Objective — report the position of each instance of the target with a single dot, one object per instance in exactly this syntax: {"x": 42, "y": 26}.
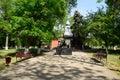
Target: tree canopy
{"x": 79, "y": 30}
{"x": 100, "y": 28}
{"x": 30, "y": 20}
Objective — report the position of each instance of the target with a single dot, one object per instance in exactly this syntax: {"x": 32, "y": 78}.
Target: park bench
{"x": 23, "y": 55}
{"x": 102, "y": 57}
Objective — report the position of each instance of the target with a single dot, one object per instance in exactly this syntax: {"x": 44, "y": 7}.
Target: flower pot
{"x": 8, "y": 60}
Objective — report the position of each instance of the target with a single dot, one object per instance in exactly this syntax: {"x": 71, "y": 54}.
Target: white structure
{"x": 68, "y": 34}
{"x": 67, "y": 30}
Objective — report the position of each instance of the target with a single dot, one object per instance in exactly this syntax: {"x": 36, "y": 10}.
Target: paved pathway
{"x": 53, "y": 67}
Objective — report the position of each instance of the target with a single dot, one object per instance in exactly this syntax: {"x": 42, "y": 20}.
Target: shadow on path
{"x": 53, "y": 68}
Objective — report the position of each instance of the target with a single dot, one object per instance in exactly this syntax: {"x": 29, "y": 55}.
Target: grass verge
{"x": 12, "y": 53}
{"x": 3, "y": 54}
{"x": 113, "y": 61}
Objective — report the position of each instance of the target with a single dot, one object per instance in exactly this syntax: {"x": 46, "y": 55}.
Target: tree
{"x": 2, "y": 39}
{"x": 5, "y": 26}
{"x": 113, "y": 9}
{"x": 113, "y": 4}
{"x": 35, "y": 19}
{"x": 71, "y": 4}
{"x": 32, "y": 20}
{"x": 102, "y": 27}
{"x": 79, "y": 30}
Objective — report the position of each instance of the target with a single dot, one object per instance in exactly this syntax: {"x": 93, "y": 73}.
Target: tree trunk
{"x": 6, "y": 43}
{"x": 106, "y": 48}
{"x": 39, "y": 47}
{"x": 83, "y": 47}
{"x": 27, "y": 45}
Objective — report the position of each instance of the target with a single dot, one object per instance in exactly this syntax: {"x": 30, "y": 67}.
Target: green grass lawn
{"x": 114, "y": 63}
{"x": 3, "y": 54}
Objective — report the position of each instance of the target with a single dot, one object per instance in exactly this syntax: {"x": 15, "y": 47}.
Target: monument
{"x": 64, "y": 47}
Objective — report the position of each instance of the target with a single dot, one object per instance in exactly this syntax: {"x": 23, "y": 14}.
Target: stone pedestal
{"x": 63, "y": 51}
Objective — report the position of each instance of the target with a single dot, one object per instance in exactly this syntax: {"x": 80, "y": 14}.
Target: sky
{"x": 85, "y": 6}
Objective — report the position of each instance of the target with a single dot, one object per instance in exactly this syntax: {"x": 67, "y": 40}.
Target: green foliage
{"x": 111, "y": 3}
{"x": 37, "y": 18}
{"x": 79, "y": 30}
{"x": 102, "y": 26}
{"x": 77, "y": 24}
{"x": 2, "y": 66}
{"x": 5, "y": 26}
{"x": 5, "y": 18}
{"x": 2, "y": 39}
{"x": 99, "y": 1}
{"x": 71, "y": 4}
{"x": 5, "y": 7}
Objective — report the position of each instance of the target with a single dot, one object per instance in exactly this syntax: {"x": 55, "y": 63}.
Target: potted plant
{"x": 7, "y": 60}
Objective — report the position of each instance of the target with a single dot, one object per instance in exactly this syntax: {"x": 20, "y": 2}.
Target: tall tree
{"x": 113, "y": 9}
{"x": 78, "y": 30}
{"x": 102, "y": 27}
{"x": 5, "y": 26}
{"x": 36, "y": 18}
